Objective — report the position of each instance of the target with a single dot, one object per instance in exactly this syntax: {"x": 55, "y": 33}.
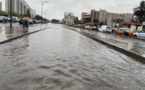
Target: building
{"x": 0, "y": 6}
{"x": 85, "y": 17}
{"x": 69, "y": 18}
{"x": 19, "y": 6}
{"x": 108, "y": 18}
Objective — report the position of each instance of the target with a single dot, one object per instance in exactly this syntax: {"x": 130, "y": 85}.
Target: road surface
{"x": 62, "y": 59}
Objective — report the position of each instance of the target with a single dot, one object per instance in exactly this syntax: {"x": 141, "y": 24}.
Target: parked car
{"x": 15, "y": 19}
{"x": 120, "y": 31}
{"x": 139, "y": 34}
{"x": 75, "y": 25}
{"x": 105, "y": 28}
{"x": 21, "y": 21}
{"x": 31, "y": 21}
{"x": 127, "y": 31}
{"x": 94, "y": 28}
{"x": 87, "y": 26}
{"x": 4, "y": 19}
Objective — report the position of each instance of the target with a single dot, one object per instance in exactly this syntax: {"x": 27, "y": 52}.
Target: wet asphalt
{"x": 61, "y": 59}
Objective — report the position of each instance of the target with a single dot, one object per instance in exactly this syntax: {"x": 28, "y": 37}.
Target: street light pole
{"x": 10, "y": 13}
{"x": 42, "y": 12}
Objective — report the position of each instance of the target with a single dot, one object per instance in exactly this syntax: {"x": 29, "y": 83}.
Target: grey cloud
{"x": 56, "y": 8}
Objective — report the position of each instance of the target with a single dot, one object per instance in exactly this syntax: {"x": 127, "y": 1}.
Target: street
{"x": 17, "y": 30}
{"x": 61, "y": 59}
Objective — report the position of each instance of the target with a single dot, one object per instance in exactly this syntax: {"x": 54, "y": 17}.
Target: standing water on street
{"x": 61, "y": 59}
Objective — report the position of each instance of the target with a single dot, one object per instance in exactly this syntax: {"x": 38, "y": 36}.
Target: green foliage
{"x": 96, "y": 21}
{"x": 76, "y": 21}
{"x": 101, "y": 23}
{"x": 139, "y": 11}
{"x": 16, "y": 14}
{"x": 3, "y": 13}
{"x": 13, "y": 14}
{"x": 28, "y": 13}
{"x": 119, "y": 20}
{"x": 38, "y": 17}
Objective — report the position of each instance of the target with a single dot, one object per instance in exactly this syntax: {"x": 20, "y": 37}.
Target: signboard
{"x": 143, "y": 23}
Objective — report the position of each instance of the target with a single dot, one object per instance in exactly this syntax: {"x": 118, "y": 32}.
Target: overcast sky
{"x": 56, "y": 8}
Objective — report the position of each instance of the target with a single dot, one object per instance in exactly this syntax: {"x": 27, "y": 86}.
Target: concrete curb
{"x": 14, "y": 38}
{"x": 133, "y": 55}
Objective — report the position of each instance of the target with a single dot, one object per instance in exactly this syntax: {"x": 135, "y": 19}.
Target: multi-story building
{"x": 19, "y": 6}
{"x": 106, "y": 17}
{"x": 85, "y": 17}
{"x": 69, "y": 18}
{"x": 0, "y": 6}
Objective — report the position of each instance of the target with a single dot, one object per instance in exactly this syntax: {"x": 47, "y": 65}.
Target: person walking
{"x": 26, "y": 21}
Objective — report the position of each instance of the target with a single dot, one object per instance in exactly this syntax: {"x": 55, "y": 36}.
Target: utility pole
{"x": 10, "y": 13}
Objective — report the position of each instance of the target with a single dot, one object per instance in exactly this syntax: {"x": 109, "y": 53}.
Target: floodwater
{"x": 17, "y": 30}
{"x": 61, "y": 59}
{"x": 127, "y": 43}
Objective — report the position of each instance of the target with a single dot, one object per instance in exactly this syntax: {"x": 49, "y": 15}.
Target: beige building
{"x": 19, "y": 6}
{"x": 106, "y": 17}
{"x": 0, "y": 6}
{"x": 69, "y": 18}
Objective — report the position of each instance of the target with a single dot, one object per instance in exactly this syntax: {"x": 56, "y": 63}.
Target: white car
{"x": 139, "y": 34}
{"x": 87, "y": 26}
{"x": 105, "y": 28}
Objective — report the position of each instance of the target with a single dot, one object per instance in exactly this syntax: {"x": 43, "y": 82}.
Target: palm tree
{"x": 139, "y": 11}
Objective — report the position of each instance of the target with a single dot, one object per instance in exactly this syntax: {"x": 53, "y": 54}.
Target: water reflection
{"x": 16, "y": 31}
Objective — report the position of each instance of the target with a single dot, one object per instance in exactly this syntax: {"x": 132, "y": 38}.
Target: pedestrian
{"x": 26, "y": 21}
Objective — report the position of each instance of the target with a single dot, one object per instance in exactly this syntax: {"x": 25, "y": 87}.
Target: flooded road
{"x": 126, "y": 42}
{"x": 17, "y": 30}
{"x": 62, "y": 59}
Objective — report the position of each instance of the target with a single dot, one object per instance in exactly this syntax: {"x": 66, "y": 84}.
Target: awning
{"x": 131, "y": 23}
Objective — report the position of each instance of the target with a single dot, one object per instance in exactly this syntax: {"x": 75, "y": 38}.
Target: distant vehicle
{"x": 21, "y": 21}
{"x": 31, "y": 21}
{"x": 15, "y": 19}
{"x": 3, "y": 19}
{"x": 120, "y": 31}
{"x": 87, "y": 26}
{"x": 94, "y": 28}
{"x": 105, "y": 28}
{"x": 127, "y": 31}
{"x": 139, "y": 34}
{"x": 75, "y": 25}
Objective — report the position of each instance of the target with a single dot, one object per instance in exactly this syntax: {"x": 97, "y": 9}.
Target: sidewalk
{"x": 129, "y": 44}
{"x": 6, "y": 33}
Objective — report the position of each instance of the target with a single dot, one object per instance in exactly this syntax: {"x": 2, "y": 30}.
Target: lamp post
{"x": 42, "y": 11}
{"x": 11, "y": 14}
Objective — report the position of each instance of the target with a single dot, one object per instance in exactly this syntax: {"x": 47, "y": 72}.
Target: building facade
{"x": 0, "y": 6}
{"x": 69, "y": 18}
{"x": 19, "y": 6}
{"x": 107, "y": 17}
{"x": 85, "y": 17}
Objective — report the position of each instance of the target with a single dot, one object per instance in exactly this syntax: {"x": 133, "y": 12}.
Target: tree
{"x": 28, "y": 13}
{"x": 118, "y": 20}
{"x": 101, "y": 23}
{"x": 139, "y": 11}
{"x": 96, "y": 21}
{"x": 3, "y": 13}
{"x": 38, "y": 17}
{"x": 77, "y": 21}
